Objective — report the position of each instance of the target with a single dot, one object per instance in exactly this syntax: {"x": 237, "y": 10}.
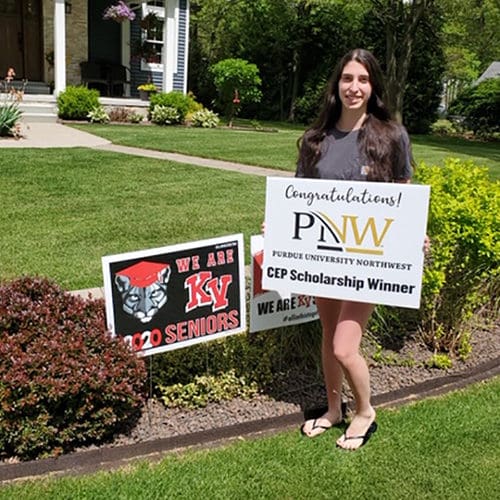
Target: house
{"x": 49, "y": 42}
{"x": 492, "y": 71}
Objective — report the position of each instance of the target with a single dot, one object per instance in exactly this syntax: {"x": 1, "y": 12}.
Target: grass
{"x": 63, "y": 209}
{"x": 269, "y": 149}
{"x": 278, "y": 150}
{"x": 442, "y": 448}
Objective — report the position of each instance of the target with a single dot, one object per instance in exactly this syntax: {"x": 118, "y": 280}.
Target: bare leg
{"x": 328, "y": 310}
{"x": 347, "y": 339}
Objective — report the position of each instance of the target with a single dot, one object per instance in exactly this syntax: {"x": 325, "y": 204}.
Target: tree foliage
{"x": 237, "y": 82}
{"x": 471, "y": 41}
{"x": 479, "y": 105}
{"x": 296, "y": 43}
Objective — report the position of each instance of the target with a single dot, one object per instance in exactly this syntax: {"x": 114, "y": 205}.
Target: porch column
{"x": 59, "y": 47}
{"x": 125, "y": 55}
{"x": 169, "y": 56}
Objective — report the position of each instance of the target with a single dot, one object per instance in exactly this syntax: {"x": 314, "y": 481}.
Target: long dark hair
{"x": 379, "y": 137}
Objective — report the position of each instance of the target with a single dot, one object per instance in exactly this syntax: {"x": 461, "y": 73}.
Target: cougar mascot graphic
{"x": 143, "y": 288}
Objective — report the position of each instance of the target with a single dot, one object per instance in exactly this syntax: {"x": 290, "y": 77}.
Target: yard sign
{"x": 171, "y": 297}
{"x": 360, "y": 241}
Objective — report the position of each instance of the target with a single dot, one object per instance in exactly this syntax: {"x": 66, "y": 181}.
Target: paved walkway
{"x": 52, "y": 135}
{"x": 57, "y": 135}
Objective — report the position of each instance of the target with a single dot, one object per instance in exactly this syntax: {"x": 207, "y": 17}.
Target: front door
{"x": 21, "y": 38}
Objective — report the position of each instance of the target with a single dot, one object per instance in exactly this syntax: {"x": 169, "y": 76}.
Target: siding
{"x": 139, "y": 76}
{"x": 179, "y": 83}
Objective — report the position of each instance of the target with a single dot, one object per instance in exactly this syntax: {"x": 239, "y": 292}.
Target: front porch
{"x": 49, "y": 41}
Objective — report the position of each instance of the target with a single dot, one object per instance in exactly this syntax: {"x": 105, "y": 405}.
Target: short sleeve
{"x": 404, "y": 168}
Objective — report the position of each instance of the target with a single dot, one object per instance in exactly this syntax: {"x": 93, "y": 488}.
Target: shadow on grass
{"x": 453, "y": 145}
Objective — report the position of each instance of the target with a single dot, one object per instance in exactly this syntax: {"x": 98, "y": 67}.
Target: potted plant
{"x": 145, "y": 89}
{"x": 119, "y": 12}
{"x": 144, "y": 49}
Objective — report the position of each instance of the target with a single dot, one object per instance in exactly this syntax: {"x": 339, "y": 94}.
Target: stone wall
{"x": 76, "y": 39}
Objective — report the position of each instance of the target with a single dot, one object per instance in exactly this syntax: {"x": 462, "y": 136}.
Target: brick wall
{"x": 76, "y": 38}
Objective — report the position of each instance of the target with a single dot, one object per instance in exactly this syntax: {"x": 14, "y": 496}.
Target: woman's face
{"x": 355, "y": 88}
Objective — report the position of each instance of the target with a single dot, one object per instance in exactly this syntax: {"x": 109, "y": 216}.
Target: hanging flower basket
{"x": 119, "y": 12}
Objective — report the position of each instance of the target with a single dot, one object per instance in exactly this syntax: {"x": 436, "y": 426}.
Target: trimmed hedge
{"x": 64, "y": 382}
{"x": 76, "y": 102}
{"x": 182, "y": 103}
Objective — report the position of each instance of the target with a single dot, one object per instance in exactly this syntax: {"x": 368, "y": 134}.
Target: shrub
{"x": 124, "y": 115}
{"x": 135, "y": 117}
{"x": 208, "y": 389}
{"x": 238, "y": 83}
{"x": 165, "y": 115}
{"x": 444, "y": 128}
{"x": 119, "y": 114}
{"x": 98, "y": 115}
{"x": 480, "y": 107}
{"x": 205, "y": 118}
{"x": 251, "y": 362}
{"x": 10, "y": 114}
{"x": 306, "y": 107}
{"x": 64, "y": 382}
{"x": 75, "y": 103}
{"x": 464, "y": 265}
{"x": 183, "y": 103}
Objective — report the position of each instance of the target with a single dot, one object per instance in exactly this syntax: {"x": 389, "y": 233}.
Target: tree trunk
{"x": 401, "y": 22}
{"x": 295, "y": 85}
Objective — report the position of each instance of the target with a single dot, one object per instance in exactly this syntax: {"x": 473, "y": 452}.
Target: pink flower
{"x": 119, "y": 12}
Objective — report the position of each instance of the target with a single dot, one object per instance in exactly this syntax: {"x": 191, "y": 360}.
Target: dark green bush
{"x": 75, "y": 103}
{"x": 183, "y": 103}
{"x": 64, "y": 382}
{"x": 480, "y": 107}
{"x": 307, "y": 106}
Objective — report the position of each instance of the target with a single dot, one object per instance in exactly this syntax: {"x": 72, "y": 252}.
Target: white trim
{"x": 125, "y": 53}
{"x": 186, "y": 53}
{"x": 160, "y": 12}
{"x": 59, "y": 47}
{"x": 170, "y": 43}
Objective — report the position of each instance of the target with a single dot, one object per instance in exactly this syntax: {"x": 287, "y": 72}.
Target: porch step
{"x": 38, "y": 108}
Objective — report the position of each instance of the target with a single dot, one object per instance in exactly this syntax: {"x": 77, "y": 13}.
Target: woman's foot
{"x": 316, "y": 426}
{"x": 360, "y": 429}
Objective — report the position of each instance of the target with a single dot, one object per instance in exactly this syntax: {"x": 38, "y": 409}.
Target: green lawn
{"x": 278, "y": 149}
{"x": 444, "y": 448}
{"x": 269, "y": 149}
{"x": 63, "y": 209}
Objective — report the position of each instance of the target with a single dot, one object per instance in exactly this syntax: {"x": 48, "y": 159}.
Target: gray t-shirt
{"x": 341, "y": 158}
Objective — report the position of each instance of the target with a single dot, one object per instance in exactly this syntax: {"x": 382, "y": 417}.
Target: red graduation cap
{"x": 144, "y": 273}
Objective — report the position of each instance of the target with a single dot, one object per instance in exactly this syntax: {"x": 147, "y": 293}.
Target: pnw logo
{"x": 350, "y": 234}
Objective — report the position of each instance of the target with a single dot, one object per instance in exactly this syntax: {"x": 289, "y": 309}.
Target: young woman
{"x": 353, "y": 138}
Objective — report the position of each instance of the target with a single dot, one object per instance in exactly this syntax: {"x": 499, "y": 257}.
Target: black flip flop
{"x": 315, "y": 426}
{"x": 365, "y": 437}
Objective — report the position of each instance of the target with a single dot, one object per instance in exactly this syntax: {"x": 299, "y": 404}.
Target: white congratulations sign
{"x": 360, "y": 241}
